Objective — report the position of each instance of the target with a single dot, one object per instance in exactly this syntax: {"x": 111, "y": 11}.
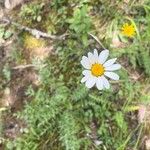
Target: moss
{"x": 31, "y": 42}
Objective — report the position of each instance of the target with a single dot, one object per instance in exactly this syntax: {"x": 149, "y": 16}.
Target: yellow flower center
{"x": 128, "y": 30}
{"x": 97, "y": 69}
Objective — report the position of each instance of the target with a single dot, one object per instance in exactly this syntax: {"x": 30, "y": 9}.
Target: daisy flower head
{"x": 97, "y": 69}
{"x": 128, "y": 30}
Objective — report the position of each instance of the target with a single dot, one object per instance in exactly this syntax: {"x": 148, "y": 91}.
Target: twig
{"x": 27, "y": 66}
{"x": 97, "y": 40}
{"x": 119, "y": 81}
{"x": 23, "y": 66}
{"x": 34, "y": 32}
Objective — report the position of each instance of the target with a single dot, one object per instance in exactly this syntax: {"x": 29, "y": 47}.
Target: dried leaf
{"x": 141, "y": 113}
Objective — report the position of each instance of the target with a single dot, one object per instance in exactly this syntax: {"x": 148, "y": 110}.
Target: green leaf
{"x": 7, "y": 34}
{"x": 85, "y": 39}
{"x": 119, "y": 117}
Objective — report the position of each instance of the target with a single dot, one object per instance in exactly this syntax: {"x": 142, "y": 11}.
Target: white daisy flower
{"x": 97, "y": 69}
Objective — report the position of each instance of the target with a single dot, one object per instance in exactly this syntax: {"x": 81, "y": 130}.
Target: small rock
{"x": 97, "y": 142}
{"x": 147, "y": 144}
{"x": 10, "y": 4}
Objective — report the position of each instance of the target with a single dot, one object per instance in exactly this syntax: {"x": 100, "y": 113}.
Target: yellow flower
{"x": 128, "y": 30}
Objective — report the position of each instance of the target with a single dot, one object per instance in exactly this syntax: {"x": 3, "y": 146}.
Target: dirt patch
{"x": 12, "y": 127}
{"x": 14, "y": 99}
{"x": 14, "y": 96}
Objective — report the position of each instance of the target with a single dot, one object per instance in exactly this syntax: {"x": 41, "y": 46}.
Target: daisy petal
{"x": 112, "y": 75}
{"x": 84, "y": 79}
{"x": 110, "y": 62}
{"x": 105, "y": 83}
{"x": 84, "y": 58}
{"x": 90, "y": 82}
{"x": 91, "y": 58}
{"x": 113, "y": 67}
{"x": 86, "y": 72}
{"x": 103, "y": 56}
{"x": 99, "y": 83}
{"x": 96, "y": 54}
{"x": 85, "y": 62}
